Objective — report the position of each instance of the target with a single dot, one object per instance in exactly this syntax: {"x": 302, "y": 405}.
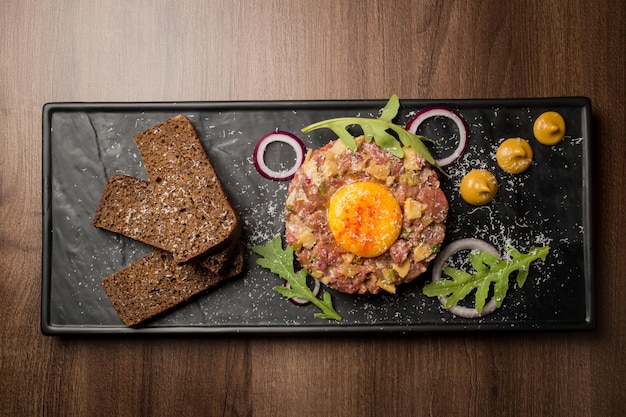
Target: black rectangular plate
{"x": 550, "y": 203}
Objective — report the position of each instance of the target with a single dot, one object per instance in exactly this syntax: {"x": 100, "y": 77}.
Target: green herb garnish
{"x": 379, "y": 130}
{"x": 280, "y": 261}
{"x": 489, "y": 270}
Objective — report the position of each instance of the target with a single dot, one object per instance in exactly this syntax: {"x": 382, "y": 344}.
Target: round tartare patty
{"x": 421, "y": 225}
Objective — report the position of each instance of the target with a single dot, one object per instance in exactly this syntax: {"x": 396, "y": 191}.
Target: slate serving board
{"x": 550, "y": 203}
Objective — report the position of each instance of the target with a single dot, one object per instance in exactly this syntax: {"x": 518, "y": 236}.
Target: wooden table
{"x": 68, "y": 50}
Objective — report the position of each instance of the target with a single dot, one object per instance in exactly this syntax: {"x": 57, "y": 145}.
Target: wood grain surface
{"x": 159, "y": 50}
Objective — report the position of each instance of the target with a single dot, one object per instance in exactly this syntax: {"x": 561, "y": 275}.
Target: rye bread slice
{"x": 129, "y": 206}
{"x": 173, "y": 156}
{"x": 156, "y": 284}
{"x": 175, "y": 160}
{"x": 183, "y": 209}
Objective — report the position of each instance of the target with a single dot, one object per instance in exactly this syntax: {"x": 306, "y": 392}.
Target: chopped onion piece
{"x": 444, "y": 255}
{"x": 317, "y": 286}
{"x": 435, "y": 111}
{"x": 278, "y": 136}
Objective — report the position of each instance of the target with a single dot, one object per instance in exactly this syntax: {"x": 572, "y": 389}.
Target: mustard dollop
{"x": 549, "y": 128}
{"x": 514, "y": 155}
{"x": 478, "y": 187}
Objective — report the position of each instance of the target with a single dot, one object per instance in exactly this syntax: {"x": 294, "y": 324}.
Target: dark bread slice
{"x": 129, "y": 206}
{"x": 156, "y": 284}
{"x": 186, "y": 212}
{"x": 174, "y": 158}
{"x": 185, "y": 202}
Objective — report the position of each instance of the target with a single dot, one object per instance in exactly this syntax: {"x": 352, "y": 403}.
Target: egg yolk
{"x": 514, "y": 155}
{"x": 478, "y": 187}
{"x": 549, "y": 128}
{"x": 365, "y": 218}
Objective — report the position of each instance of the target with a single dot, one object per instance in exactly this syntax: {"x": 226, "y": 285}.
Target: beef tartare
{"x": 365, "y": 220}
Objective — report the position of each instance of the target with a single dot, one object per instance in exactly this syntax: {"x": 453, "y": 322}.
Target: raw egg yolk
{"x": 549, "y": 128}
{"x": 514, "y": 155}
{"x": 479, "y": 187}
{"x": 365, "y": 218}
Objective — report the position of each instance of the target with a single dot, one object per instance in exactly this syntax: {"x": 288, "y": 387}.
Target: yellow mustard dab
{"x": 514, "y": 155}
{"x": 478, "y": 187}
{"x": 549, "y": 128}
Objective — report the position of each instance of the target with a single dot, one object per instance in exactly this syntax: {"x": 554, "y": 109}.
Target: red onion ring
{"x": 278, "y": 136}
{"x": 444, "y": 255}
{"x": 434, "y": 111}
{"x": 302, "y": 301}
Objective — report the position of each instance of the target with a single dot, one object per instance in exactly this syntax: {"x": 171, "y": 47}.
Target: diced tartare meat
{"x": 399, "y": 251}
{"x": 413, "y": 183}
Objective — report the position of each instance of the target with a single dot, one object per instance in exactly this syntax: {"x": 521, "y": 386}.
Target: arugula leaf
{"x": 379, "y": 130}
{"x": 391, "y": 109}
{"x": 280, "y": 262}
{"x": 488, "y": 270}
